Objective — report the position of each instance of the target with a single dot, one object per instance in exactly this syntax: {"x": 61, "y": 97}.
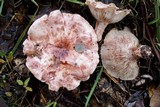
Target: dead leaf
{"x": 155, "y": 98}
{"x": 135, "y": 100}
{"x": 2, "y": 61}
{"x": 43, "y": 99}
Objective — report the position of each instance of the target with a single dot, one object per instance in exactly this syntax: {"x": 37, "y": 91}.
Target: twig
{"x": 152, "y": 42}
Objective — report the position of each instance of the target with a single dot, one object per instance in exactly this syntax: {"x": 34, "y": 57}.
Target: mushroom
{"x": 119, "y": 54}
{"x": 105, "y": 14}
{"x": 60, "y": 51}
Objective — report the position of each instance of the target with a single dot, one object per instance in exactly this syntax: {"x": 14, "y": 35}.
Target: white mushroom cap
{"x": 118, "y": 54}
{"x": 105, "y": 14}
{"x": 60, "y": 51}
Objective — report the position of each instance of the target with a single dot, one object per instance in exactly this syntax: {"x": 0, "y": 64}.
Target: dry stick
{"x": 13, "y": 17}
{"x": 23, "y": 97}
{"x": 148, "y": 32}
{"x": 152, "y": 42}
{"x": 116, "y": 101}
{"x": 116, "y": 82}
{"x": 145, "y": 15}
{"x": 144, "y": 26}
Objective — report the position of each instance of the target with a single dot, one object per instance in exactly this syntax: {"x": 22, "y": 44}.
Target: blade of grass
{"x": 157, "y": 16}
{"x": 135, "y": 1}
{"x": 76, "y": 2}
{"x": 154, "y": 21}
{"x": 3, "y": 67}
{"x": 8, "y": 63}
{"x": 54, "y": 103}
{"x": 2, "y": 54}
{"x": 93, "y": 87}
{"x": 158, "y": 47}
{"x": 1, "y": 7}
{"x": 25, "y": 30}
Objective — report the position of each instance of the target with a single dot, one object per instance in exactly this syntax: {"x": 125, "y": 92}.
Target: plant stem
{"x": 93, "y": 87}
{"x": 157, "y": 16}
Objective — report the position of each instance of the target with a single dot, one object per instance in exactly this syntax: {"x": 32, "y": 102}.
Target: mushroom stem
{"x": 143, "y": 51}
{"x": 137, "y": 52}
{"x": 99, "y": 29}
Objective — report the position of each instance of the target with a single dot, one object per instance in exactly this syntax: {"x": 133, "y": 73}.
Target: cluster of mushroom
{"x": 62, "y": 48}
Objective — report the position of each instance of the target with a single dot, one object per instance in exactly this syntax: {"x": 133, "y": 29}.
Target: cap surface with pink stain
{"x": 61, "y": 50}
{"x": 119, "y": 54}
{"x": 105, "y": 14}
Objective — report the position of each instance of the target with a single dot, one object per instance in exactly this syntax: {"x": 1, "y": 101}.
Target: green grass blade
{"x": 157, "y": 16}
{"x": 25, "y": 30}
{"x": 20, "y": 39}
{"x": 76, "y": 2}
{"x": 1, "y": 7}
{"x": 35, "y": 3}
{"x": 2, "y": 54}
{"x": 3, "y": 67}
{"x": 54, "y": 103}
{"x": 93, "y": 87}
{"x": 154, "y": 21}
{"x": 135, "y": 2}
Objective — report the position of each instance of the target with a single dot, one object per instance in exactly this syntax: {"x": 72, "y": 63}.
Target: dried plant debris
{"x": 112, "y": 91}
{"x": 135, "y": 100}
{"x": 155, "y": 97}
{"x": 60, "y": 51}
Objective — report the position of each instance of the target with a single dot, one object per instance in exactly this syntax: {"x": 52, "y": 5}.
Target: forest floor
{"x": 19, "y": 88}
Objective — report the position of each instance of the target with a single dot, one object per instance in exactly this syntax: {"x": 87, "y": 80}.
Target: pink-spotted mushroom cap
{"x": 61, "y": 50}
{"x": 105, "y": 14}
{"x": 119, "y": 54}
